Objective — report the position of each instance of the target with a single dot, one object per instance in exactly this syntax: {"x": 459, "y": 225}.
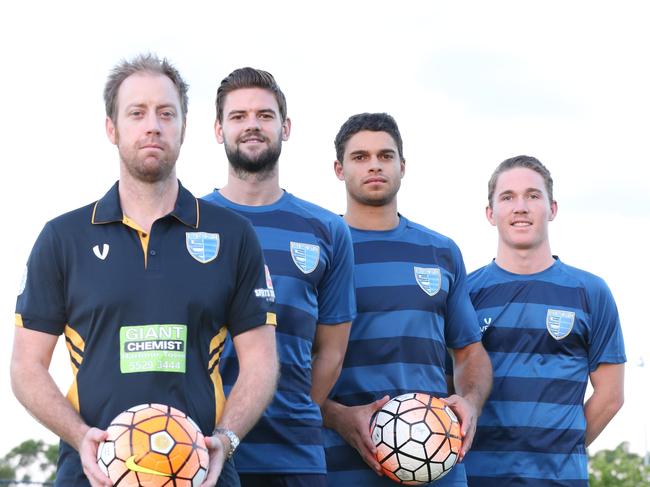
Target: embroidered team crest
{"x": 559, "y": 323}
{"x": 429, "y": 279}
{"x": 203, "y": 246}
{"x": 305, "y": 256}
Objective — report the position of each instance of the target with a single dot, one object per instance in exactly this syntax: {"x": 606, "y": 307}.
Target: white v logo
{"x": 487, "y": 321}
{"x": 103, "y": 253}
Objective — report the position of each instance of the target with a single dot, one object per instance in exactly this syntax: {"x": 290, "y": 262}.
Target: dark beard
{"x": 263, "y": 164}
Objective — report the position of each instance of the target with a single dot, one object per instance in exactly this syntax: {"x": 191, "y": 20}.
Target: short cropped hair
{"x": 374, "y": 122}
{"x": 527, "y": 162}
{"x": 142, "y": 63}
{"x": 249, "y": 78}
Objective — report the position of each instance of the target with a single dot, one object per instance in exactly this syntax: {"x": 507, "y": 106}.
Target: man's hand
{"x": 88, "y": 455}
{"x": 468, "y": 416}
{"x": 217, "y": 451}
{"x": 353, "y": 424}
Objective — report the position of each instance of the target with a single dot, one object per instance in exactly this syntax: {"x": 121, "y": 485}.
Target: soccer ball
{"x": 153, "y": 445}
{"x": 417, "y": 438}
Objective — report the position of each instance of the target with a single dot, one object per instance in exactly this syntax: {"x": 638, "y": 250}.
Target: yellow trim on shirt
{"x": 144, "y": 236}
{"x": 219, "y": 396}
{"x": 271, "y": 319}
{"x": 73, "y": 338}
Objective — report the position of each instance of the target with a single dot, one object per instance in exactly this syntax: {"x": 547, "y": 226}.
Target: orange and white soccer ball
{"x": 153, "y": 445}
{"x": 417, "y": 438}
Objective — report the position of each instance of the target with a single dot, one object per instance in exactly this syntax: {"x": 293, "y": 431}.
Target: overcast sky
{"x": 470, "y": 84}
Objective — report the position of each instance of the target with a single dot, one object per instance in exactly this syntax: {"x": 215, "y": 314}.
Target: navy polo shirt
{"x": 145, "y": 316}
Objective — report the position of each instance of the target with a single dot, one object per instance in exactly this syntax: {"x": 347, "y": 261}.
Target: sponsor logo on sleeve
{"x": 559, "y": 323}
{"x": 429, "y": 279}
{"x": 487, "y": 322}
{"x": 202, "y": 246}
{"x": 267, "y": 293}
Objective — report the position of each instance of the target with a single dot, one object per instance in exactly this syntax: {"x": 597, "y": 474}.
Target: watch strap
{"x": 232, "y": 438}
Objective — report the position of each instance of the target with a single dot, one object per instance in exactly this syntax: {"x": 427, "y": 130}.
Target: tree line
{"x": 33, "y": 462}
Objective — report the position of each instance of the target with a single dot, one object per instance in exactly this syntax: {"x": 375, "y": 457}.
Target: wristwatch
{"x": 232, "y": 437}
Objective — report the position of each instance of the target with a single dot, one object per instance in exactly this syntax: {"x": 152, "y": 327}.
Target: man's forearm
{"x": 328, "y": 352}
{"x": 606, "y": 400}
{"x": 330, "y": 411}
{"x": 256, "y": 382}
{"x": 39, "y": 394}
{"x": 249, "y": 397}
{"x": 473, "y": 375}
{"x": 598, "y": 413}
{"x": 323, "y": 376}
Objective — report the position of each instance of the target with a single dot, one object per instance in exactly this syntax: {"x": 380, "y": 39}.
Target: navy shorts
{"x": 283, "y": 480}
{"x": 228, "y": 477}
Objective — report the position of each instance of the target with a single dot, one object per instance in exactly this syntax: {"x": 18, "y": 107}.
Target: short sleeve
{"x": 605, "y": 337}
{"x": 461, "y": 324}
{"x": 252, "y": 298}
{"x": 40, "y": 305}
{"x": 336, "y": 297}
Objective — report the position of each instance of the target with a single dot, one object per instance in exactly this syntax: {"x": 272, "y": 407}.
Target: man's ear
{"x": 111, "y": 131}
{"x": 489, "y": 214}
{"x": 286, "y": 129}
{"x": 338, "y": 170}
{"x": 553, "y": 211}
{"x": 218, "y": 131}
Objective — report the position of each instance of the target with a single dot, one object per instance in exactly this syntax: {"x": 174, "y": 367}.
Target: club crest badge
{"x": 203, "y": 246}
{"x": 305, "y": 256}
{"x": 559, "y": 323}
{"x": 429, "y": 279}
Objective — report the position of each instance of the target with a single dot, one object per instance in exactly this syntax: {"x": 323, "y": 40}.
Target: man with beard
{"x": 309, "y": 257}
{"x": 412, "y": 305}
{"x": 146, "y": 260}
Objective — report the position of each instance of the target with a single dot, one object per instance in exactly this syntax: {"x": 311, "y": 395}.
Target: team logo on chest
{"x": 305, "y": 256}
{"x": 559, "y": 323}
{"x": 203, "y": 246}
{"x": 429, "y": 279}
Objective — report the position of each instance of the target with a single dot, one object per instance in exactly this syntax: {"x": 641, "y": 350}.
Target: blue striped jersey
{"x": 412, "y": 303}
{"x": 308, "y": 252}
{"x": 545, "y": 333}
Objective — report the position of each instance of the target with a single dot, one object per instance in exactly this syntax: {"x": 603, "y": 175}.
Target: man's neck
{"x": 366, "y": 217}
{"x": 252, "y": 190}
{"x": 144, "y": 203}
{"x": 524, "y": 261}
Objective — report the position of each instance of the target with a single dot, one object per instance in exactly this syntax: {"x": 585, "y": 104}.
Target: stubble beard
{"x": 144, "y": 170}
{"x": 375, "y": 200}
{"x": 148, "y": 172}
{"x": 262, "y": 165}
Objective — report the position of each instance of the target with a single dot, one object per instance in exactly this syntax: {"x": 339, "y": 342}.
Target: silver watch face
{"x": 232, "y": 437}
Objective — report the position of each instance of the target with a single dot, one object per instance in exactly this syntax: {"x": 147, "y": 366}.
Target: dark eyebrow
{"x": 359, "y": 152}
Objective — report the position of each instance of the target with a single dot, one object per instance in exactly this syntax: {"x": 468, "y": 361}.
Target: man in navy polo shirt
{"x": 145, "y": 284}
